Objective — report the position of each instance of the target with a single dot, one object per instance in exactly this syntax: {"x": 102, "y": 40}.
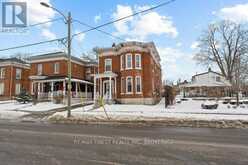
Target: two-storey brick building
{"x": 49, "y": 76}
{"x": 13, "y": 77}
{"x": 129, "y": 73}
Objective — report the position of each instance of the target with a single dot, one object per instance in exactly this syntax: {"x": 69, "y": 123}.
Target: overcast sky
{"x": 174, "y": 28}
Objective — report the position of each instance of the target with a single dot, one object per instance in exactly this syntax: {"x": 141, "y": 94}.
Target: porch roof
{"x": 104, "y": 75}
{"x": 56, "y": 78}
{"x": 208, "y": 84}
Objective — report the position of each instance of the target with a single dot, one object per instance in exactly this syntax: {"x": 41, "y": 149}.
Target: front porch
{"x": 105, "y": 86}
{"x": 52, "y": 89}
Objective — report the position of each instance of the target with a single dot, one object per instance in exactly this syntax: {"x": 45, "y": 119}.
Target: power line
{"x": 104, "y": 32}
{"x": 33, "y": 44}
{"x": 93, "y": 28}
{"x": 45, "y": 22}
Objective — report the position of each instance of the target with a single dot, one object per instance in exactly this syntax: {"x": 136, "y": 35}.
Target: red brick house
{"x": 13, "y": 77}
{"x": 48, "y": 76}
{"x": 129, "y": 73}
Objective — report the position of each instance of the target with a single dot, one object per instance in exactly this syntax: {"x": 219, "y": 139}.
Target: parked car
{"x": 210, "y": 105}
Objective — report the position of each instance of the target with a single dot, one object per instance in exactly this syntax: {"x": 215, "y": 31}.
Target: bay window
{"x": 129, "y": 61}
{"x": 129, "y": 85}
{"x": 138, "y": 61}
{"x": 138, "y": 86}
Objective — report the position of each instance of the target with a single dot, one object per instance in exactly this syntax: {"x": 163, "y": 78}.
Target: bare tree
{"x": 223, "y": 44}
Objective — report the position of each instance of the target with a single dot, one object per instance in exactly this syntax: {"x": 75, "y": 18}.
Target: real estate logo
{"x": 14, "y": 17}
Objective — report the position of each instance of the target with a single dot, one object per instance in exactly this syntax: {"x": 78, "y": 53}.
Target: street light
{"x": 68, "y": 21}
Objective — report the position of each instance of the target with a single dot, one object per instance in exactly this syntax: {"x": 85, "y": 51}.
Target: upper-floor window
{"x": 56, "y": 67}
{"x": 2, "y": 73}
{"x": 129, "y": 61}
{"x": 122, "y": 62}
{"x": 39, "y": 69}
{"x": 138, "y": 61}
{"x": 88, "y": 70}
{"x": 18, "y": 74}
{"x": 108, "y": 65}
{"x": 138, "y": 86}
{"x": 218, "y": 79}
{"x": 129, "y": 85}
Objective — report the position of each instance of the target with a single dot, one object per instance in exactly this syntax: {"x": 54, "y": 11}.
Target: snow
{"x": 11, "y": 114}
{"x": 15, "y": 106}
{"x": 186, "y": 110}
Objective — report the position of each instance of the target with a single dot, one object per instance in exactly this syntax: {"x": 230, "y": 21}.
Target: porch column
{"x": 76, "y": 90}
{"x": 38, "y": 88}
{"x": 86, "y": 91}
{"x": 115, "y": 88}
{"x": 32, "y": 88}
{"x": 52, "y": 89}
{"x": 94, "y": 88}
{"x": 110, "y": 88}
{"x": 64, "y": 87}
{"x": 100, "y": 91}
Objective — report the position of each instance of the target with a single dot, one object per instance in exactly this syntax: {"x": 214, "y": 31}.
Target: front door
{"x": 106, "y": 91}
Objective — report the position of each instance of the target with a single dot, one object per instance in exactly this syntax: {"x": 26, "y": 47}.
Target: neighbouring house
{"x": 49, "y": 76}
{"x": 130, "y": 73}
{"x": 13, "y": 77}
{"x": 207, "y": 84}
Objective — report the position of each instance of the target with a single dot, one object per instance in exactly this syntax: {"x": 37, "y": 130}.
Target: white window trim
{"x": 136, "y": 85}
{"x": 129, "y": 54}
{"x": 39, "y": 73}
{"x": 140, "y": 66}
{"x": 105, "y": 64}
{"x": 56, "y": 71}
{"x": 122, "y": 93}
{"x": 2, "y": 73}
{"x": 127, "y": 85}
{"x": 17, "y": 70}
{"x": 121, "y": 62}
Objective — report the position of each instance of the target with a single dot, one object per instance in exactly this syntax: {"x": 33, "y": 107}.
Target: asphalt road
{"x": 45, "y": 144}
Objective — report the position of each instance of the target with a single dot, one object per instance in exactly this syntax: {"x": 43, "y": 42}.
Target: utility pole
{"x": 69, "y": 20}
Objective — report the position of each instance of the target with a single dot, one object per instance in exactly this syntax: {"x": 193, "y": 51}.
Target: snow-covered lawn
{"x": 15, "y": 106}
{"x": 186, "y": 110}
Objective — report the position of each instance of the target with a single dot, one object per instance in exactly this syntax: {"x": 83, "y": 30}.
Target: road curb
{"x": 156, "y": 122}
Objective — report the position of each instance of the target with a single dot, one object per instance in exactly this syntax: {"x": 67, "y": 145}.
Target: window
{"x": 122, "y": 62}
{"x": 2, "y": 73}
{"x": 138, "y": 86}
{"x": 108, "y": 65}
{"x": 18, "y": 89}
{"x": 39, "y": 69}
{"x": 56, "y": 68}
{"x": 129, "y": 85}
{"x": 128, "y": 61}
{"x": 1, "y": 88}
{"x": 138, "y": 61}
{"x": 18, "y": 74}
{"x": 218, "y": 79}
{"x": 122, "y": 85}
